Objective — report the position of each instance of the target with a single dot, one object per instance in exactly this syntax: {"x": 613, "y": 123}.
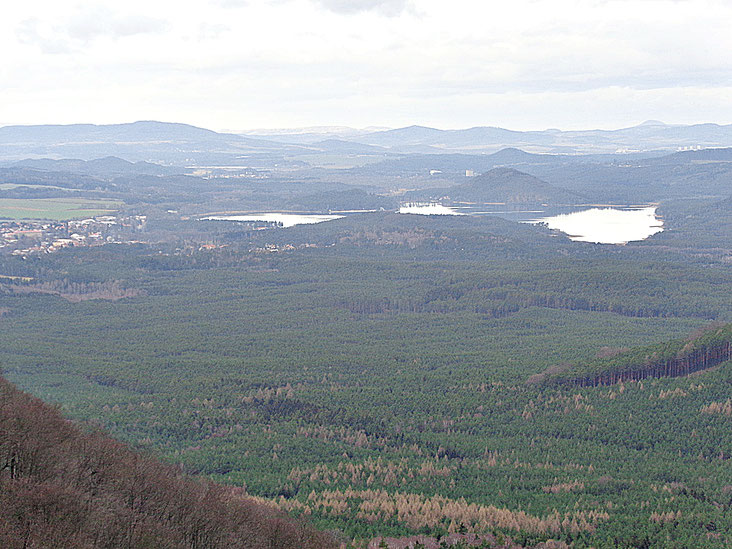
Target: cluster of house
{"x": 269, "y": 248}
{"x": 37, "y": 237}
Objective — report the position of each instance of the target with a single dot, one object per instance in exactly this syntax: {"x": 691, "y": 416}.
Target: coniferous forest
{"x": 377, "y": 392}
{"x": 378, "y": 379}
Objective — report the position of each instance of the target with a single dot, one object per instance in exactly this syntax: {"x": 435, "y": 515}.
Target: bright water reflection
{"x": 281, "y": 219}
{"x": 607, "y": 225}
{"x": 616, "y": 225}
{"x": 427, "y": 209}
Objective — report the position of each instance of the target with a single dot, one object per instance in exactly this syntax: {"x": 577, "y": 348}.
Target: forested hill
{"x": 456, "y": 236}
{"x": 681, "y": 357}
{"x": 61, "y": 487}
{"x": 704, "y": 226}
{"x": 103, "y": 167}
{"x": 503, "y": 185}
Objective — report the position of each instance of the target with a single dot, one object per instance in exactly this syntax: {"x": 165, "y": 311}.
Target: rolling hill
{"x": 505, "y": 185}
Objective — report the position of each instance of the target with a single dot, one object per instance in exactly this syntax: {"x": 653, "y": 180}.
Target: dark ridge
{"x": 703, "y": 155}
{"x": 63, "y": 488}
{"x": 669, "y": 359}
{"x": 99, "y": 166}
{"x": 506, "y": 185}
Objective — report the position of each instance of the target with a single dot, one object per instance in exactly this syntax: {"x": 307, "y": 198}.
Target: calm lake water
{"x": 281, "y": 219}
{"x": 607, "y": 225}
{"x": 602, "y": 225}
{"x": 428, "y": 209}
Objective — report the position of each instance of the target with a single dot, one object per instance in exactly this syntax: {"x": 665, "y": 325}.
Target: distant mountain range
{"x": 184, "y": 145}
{"x": 158, "y": 142}
{"x": 649, "y": 136}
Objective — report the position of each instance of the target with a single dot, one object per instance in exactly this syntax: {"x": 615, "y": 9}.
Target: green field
{"x": 55, "y": 209}
{"x": 9, "y": 186}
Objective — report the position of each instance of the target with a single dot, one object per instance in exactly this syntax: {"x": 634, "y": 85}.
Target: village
{"x": 29, "y": 237}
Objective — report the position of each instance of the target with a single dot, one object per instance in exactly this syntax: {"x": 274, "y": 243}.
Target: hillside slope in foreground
{"x": 62, "y": 487}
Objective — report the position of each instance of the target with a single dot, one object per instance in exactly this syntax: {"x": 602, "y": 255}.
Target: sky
{"x": 242, "y": 64}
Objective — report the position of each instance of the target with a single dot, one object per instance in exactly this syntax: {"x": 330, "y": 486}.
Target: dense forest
{"x": 378, "y": 392}
{"x": 387, "y": 378}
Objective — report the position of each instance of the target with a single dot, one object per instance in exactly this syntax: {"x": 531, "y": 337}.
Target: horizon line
{"x": 335, "y": 128}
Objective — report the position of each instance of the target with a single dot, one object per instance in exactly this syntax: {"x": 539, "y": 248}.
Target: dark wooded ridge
{"x": 671, "y": 359}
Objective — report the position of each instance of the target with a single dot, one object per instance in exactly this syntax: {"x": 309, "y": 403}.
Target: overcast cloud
{"x": 236, "y": 64}
{"x": 385, "y": 7}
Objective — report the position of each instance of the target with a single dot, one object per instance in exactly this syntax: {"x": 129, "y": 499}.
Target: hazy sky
{"x": 240, "y": 64}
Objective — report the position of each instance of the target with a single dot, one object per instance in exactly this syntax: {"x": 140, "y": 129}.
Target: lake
{"x": 607, "y": 225}
{"x": 601, "y": 225}
{"x": 278, "y": 218}
{"x": 598, "y": 224}
{"x": 427, "y": 209}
